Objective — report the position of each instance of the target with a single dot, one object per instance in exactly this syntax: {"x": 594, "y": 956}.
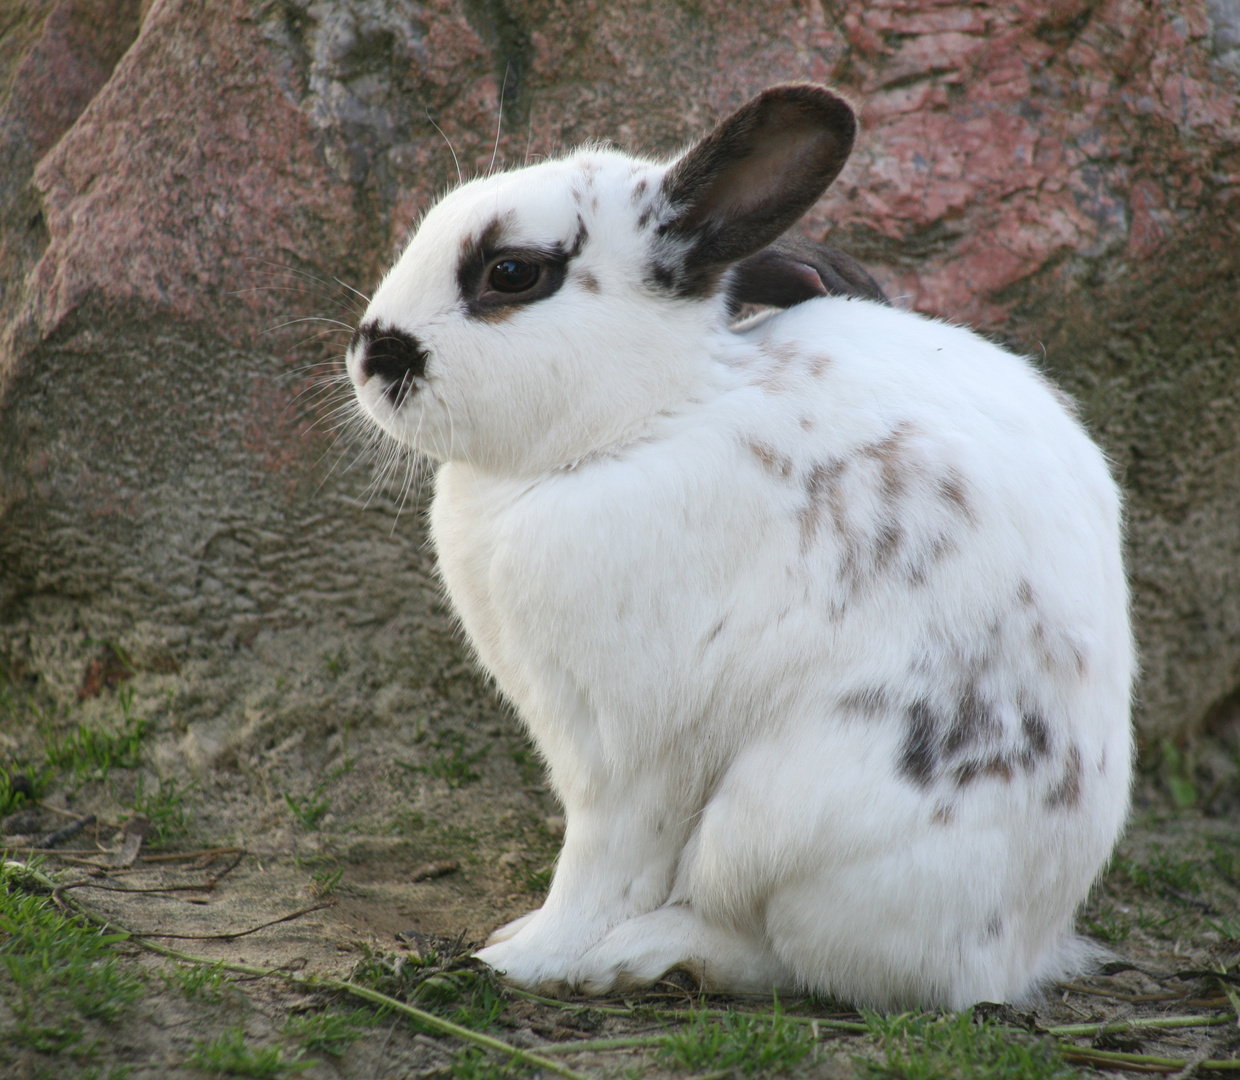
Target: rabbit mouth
{"x": 391, "y": 356}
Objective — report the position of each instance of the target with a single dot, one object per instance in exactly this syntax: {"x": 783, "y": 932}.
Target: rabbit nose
{"x": 392, "y": 356}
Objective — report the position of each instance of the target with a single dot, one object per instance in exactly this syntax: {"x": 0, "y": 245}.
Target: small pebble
{"x": 430, "y": 870}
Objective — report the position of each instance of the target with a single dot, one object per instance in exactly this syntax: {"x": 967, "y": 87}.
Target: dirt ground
{"x": 439, "y": 827}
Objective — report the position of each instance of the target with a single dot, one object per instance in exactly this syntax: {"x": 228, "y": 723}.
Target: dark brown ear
{"x": 753, "y": 176}
{"x": 793, "y": 270}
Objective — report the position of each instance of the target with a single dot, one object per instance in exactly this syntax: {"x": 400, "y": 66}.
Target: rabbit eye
{"x": 513, "y": 275}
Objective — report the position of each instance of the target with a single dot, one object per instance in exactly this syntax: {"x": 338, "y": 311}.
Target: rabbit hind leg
{"x": 641, "y": 950}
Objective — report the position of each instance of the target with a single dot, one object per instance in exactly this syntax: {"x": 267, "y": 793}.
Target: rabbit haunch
{"x": 819, "y": 620}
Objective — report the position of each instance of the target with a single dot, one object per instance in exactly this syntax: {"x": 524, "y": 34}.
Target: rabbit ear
{"x": 793, "y": 269}
{"x": 749, "y": 179}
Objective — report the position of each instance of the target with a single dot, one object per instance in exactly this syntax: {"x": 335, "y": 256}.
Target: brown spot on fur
{"x": 1066, "y": 793}
{"x": 998, "y": 767}
{"x": 951, "y": 489}
{"x": 886, "y": 544}
{"x": 1024, "y": 592}
{"x": 819, "y": 364}
{"x": 821, "y": 490}
{"x": 1078, "y": 658}
{"x": 932, "y": 553}
{"x": 807, "y": 423}
{"x": 715, "y": 631}
{"x": 871, "y": 702}
{"x": 893, "y": 468}
{"x": 589, "y": 282}
{"x": 994, "y": 928}
{"x": 772, "y": 460}
{"x": 498, "y": 314}
{"x": 944, "y": 814}
{"x": 782, "y": 358}
{"x": 639, "y": 189}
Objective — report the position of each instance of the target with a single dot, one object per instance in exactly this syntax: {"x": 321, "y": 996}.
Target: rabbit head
{"x": 541, "y": 314}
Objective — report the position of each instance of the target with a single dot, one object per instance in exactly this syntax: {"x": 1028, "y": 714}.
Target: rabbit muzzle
{"x": 392, "y": 356}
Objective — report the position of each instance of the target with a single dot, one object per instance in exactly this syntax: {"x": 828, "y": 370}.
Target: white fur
{"x": 724, "y": 573}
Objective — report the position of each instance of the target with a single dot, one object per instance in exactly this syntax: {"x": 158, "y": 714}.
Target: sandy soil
{"x": 440, "y": 825}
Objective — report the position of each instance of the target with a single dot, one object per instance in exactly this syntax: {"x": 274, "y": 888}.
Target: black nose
{"x": 392, "y": 356}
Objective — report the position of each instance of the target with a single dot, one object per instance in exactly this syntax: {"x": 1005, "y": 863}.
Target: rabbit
{"x": 818, "y": 620}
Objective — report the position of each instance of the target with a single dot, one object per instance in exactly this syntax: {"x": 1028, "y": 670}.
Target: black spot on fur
{"x": 393, "y": 356}
{"x": 975, "y": 722}
{"x": 1037, "y": 734}
{"x": 662, "y": 276}
{"x": 917, "y": 755}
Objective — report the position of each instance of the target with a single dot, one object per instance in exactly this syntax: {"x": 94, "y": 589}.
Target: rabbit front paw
{"x": 639, "y": 951}
{"x": 537, "y": 952}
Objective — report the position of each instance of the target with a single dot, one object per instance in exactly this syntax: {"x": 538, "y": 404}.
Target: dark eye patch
{"x": 496, "y": 277}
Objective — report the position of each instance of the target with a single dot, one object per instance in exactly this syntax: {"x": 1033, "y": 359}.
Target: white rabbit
{"x": 819, "y": 621}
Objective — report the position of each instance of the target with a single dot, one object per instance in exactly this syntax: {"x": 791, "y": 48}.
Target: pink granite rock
{"x": 180, "y": 177}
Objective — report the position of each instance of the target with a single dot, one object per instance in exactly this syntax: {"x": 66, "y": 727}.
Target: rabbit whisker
{"x": 455, "y": 161}
{"x": 499, "y": 123}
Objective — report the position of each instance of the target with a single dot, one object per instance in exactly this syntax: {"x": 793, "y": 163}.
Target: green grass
{"x": 20, "y": 785}
{"x": 229, "y": 1053}
{"x": 956, "y": 1046}
{"x": 90, "y": 753}
{"x": 329, "y": 1032}
{"x": 116, "y": 1072}
{"x": 449, "y": 982}
{"x": 1225, "y": 861}
{"x": 324, "y": 881}
{"x": 475, "y": 1064}
{"x": 198, "y": 982}
{"x": 527, "y": 763}
{"x": 56, "y": 972}
{"x": 538, "y": 881}
{"x": 750, "y": 1044}
{"x": 453, "y": 763}
{"x": 1176, "y": 769}
{"x": 164, "y": 808}
{"x": 310, "y": 810}
{"x": 1107, "y": 923}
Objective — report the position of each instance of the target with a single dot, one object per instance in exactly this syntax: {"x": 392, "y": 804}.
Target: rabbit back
{"x": 872, "y": 514}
